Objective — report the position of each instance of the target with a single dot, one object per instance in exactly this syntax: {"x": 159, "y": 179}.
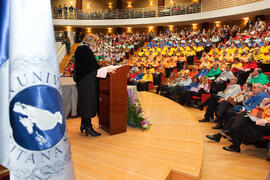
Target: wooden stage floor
{"x": 173, "y": 148}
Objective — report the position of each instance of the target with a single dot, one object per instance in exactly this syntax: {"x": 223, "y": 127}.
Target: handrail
{"x": 61, "y": 52}
{"x": 58, "y": 46}
{"x": 160, "y": 11}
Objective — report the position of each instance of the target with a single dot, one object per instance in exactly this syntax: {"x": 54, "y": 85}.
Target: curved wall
{"x": 210, "y": 5}
{"x": 57, "y": 3}
{"x": 238, "y": 11}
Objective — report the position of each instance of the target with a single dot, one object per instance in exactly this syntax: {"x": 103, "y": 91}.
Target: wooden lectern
{"x": 113, "y": 101}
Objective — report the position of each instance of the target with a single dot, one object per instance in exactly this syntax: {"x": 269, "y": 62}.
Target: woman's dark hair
{"x": 249, "y": 85}
{"x": 195, "y": 77}
{"x": 237, "y": 59}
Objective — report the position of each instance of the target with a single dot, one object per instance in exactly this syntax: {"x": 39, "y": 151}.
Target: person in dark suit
{"x": 85, "y": 71}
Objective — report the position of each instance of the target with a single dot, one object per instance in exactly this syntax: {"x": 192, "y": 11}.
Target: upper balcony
{"x": 204, "y": 10}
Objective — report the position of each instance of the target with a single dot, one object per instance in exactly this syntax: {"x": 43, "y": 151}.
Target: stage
{"x": 171, "y": 149}
{"x": 174, "y": 148}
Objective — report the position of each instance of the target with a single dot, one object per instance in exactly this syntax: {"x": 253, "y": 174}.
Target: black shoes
{"x": 88, "y": 130}
{"x": 215, "y": 137}
{"x": 204, "y": 120}
{"x": 232, "y": 148}
{"x": 82, "y": 128}
{"x": 218, "y": 126}
{"x": 92, "y": 132}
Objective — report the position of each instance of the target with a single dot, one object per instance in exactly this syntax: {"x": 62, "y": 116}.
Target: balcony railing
{"x": 161, "y": 11}
{"x": 131, "y": 13}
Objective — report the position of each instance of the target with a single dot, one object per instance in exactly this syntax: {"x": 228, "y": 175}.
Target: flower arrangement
{"x": 134, "y": 114}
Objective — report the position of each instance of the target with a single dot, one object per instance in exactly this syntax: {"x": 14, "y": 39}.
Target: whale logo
{"x": 37, "y": 117}
{"x": 44, "y": 119}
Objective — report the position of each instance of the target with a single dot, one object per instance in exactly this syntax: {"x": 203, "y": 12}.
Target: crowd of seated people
{"x": 118, "y": 46}
{"x": 213, "y": 48}
{"x": 227, "y": 63}
{"x": 112, "y": 49}
{"x": 235, "y": 117}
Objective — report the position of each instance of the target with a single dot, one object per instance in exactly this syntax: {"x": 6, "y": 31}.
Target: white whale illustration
{"x": 44, "y": 119}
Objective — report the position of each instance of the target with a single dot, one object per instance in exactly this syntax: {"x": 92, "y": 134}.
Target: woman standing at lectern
{"x": 85, "y": 71}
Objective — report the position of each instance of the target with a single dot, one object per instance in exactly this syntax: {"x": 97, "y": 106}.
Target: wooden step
{"x": 4, "y": 173}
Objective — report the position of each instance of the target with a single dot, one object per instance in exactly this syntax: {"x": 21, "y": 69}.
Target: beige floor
{"x": 175, "y": 142}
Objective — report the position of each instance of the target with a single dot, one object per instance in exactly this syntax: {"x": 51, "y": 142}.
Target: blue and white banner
{"x": 5, "y": 129}
{"x": 36, "y": 135}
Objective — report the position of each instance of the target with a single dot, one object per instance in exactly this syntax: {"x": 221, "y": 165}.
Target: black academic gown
{"x": 85, "y": 71}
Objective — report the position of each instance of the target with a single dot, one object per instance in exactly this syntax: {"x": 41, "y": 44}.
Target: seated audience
{"x": 265, "y": 65}
{"x": 203, "y": 72}
{"x": 214, "y": 72}
{"x": 138, "y": 79}
{"x": 197, "y": 88}
{"x": 225, "y": 110}
{"x": 220, "y": 83}
{"x": 223, "y": 53}
{"x": 236, "y": 65}
{"x": 164, "y": 87}
{"x": 183, "y": 83}
{"x": 257, "y": 76}
{"x": 193, "y": 72}
{"x": 243, "y": 128}
{"x": 143, "y": 84}
{"x": 246, "y": 69}
{"x": 184, "y": 70}
{"x": 131, "y": 78}
{"x": 212, "y": 103}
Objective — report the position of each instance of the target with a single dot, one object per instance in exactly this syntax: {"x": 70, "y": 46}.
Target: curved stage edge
{"x": 171, "y": 149}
